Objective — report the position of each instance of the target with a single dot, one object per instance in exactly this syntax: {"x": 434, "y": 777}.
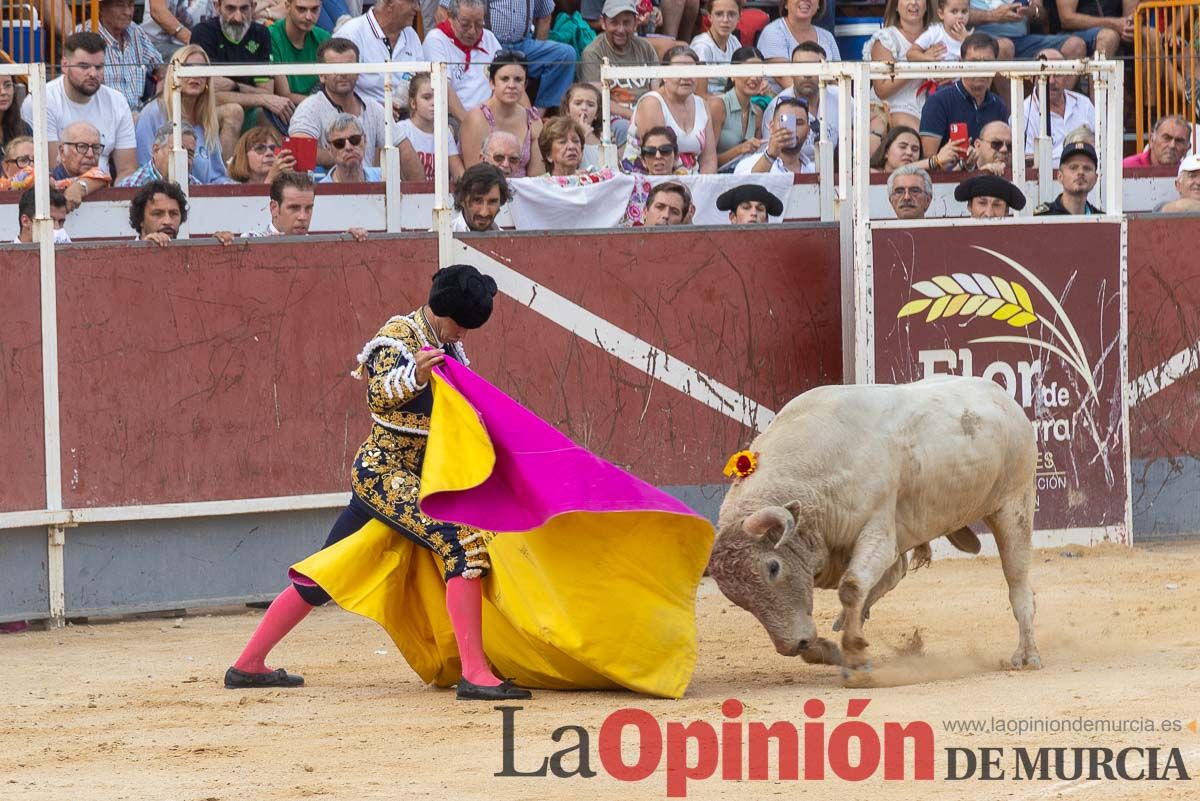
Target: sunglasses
{"x": 340, "y": 142}
{"x": 263, "y": 148}
{"x": 1000, "y": 144}
{"x": 662, "y": 150}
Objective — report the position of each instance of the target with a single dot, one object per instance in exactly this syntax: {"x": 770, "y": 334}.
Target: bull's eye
{"x": 773, "y": 569}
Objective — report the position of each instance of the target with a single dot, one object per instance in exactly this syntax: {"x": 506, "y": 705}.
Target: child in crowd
{"x": 717, "y": 46}
{"x": 582, "y": 103}
{"x": 943, "y": 41}
{"x": 415, "y": 135}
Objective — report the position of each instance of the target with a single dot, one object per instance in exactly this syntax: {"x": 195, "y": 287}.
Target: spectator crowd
{"x": 524, "y": 102}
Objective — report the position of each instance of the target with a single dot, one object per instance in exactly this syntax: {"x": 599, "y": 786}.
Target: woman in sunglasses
{"x": 677, "y": 106}
{"x": 346, "y": 140}
{"x": 258, "y": 157}
{"x": 658, "y": 154}
{"x": 506, "y": 110}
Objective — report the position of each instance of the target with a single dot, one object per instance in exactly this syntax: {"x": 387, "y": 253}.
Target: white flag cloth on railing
{"x": 541, "y": 204}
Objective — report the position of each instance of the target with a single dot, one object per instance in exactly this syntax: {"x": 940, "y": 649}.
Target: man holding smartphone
{"x": 958, "y": 112}
{"x": 784, "y": 150}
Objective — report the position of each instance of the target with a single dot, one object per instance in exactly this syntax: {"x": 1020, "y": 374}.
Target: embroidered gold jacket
{"x": 396, "y": 400}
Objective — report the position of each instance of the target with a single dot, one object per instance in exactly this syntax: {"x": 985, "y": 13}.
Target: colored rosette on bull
{"x": 741, "y": 464}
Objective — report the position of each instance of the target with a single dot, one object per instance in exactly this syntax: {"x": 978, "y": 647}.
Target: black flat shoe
{"x": 505, "y": 691}
{"x": 239, "y": 679}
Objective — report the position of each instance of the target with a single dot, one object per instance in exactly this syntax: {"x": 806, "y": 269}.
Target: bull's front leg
{"x": 874, "y": 553}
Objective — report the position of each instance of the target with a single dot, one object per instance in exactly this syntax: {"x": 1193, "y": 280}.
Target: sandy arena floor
{"x": 136, "y": 710}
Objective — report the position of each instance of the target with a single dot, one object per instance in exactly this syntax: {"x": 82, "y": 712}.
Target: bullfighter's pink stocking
{"x": 464, "y": 602}
{"x": 282, "y": 615}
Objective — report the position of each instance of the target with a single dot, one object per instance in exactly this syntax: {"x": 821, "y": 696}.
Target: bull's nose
{"x": 802, "y": 646}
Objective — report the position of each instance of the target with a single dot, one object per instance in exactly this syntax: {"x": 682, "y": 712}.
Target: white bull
{"x": 850, "y": 478}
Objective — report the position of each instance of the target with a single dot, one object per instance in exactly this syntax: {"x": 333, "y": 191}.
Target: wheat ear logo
{"x": 992, "y": 297}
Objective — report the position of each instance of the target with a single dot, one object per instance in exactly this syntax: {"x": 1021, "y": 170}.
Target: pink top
{"x": 1138, "y": 159}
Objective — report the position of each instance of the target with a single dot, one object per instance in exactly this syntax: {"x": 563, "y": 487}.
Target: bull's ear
{"x": 767, "y": 521}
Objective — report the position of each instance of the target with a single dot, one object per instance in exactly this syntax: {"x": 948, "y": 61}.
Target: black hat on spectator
{"x": 730, "y": 199}
{"x": 463, "y": 294}
{"x": 1079, "y": 148}
{"x": 990, "y": 186}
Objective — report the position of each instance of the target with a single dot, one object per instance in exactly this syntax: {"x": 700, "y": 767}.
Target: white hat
{"x": 1190, "y": 163}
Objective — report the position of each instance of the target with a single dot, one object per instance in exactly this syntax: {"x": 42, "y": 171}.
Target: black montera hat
{"x": 990, "y": 186}
{"x": 463, "y": 294}
{"x": 730, "y": 199}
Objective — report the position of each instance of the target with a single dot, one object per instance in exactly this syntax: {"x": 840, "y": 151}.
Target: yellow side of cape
{"x": 586, "y": 601}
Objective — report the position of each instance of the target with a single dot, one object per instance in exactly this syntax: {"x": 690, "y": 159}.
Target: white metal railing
{"x": 390, "y": 162}
{"x": 847, "y": 202}
{"x": 844, "y": 74}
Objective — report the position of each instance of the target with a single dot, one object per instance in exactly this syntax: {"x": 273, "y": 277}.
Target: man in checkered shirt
{"x": 524, "y": 25}
{"x": 130, "y": 56}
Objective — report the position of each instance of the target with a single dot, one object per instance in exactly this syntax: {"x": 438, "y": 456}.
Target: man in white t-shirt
{"x": 339, "y": 95}
{"x": 467, "y": 47}
{"x": 809, "y": 89}
{"x": 80, "y": 95}
{"x": 385, "y": 34}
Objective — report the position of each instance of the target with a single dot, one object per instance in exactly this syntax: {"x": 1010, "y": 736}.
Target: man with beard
{"x": 1078, "y": 176}
{"x": 989, "y": 197}
{"x": 235, "y": 38}
{"x": 80, "y": 94}
{"x": 157, "y": 211}
{"x": 910, "y": 191}
{"x": 967, "y": 101}
{"x": 669, "y": 203}
{"x": 1068, "y": 111}
{"x": 808, "y": 89}
{"x": 749, "y": 204}
{"x": 784, "y": 150}
{"x": 478, "y": 198}
{"x": 339, "y": 95}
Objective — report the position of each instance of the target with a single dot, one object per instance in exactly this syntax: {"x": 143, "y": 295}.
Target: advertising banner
{"x": 1045, "y": 323}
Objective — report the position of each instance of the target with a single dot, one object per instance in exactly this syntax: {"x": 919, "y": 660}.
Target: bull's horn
{"x": 767, "y": 520}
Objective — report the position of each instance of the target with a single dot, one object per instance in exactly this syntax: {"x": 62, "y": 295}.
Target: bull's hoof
{"x": 858, "y": 677}
{"x": 1026, "y": 660}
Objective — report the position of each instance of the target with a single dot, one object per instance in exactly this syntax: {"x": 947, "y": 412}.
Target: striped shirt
{"x": 512, "y": 20}
{"x": 126, "y": 66}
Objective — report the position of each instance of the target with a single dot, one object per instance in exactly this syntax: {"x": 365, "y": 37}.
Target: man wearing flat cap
{"x": 385, "y": 482}
{"x": 749, "y": 203}
{"x": 1077, "y": 174}
{"x": 989, "y": 196}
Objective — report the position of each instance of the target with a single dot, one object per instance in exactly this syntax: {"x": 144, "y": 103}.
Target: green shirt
{"x": 284, "y": 52}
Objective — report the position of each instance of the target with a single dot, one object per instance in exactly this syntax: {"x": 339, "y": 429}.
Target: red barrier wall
{"x": 197, "y": 372}
{"x": 1164, "y": 314}
{"x": 22, "y": 450}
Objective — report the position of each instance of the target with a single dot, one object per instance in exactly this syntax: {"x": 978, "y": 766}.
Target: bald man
{"x": 501, "y": 149}
{"x": 79, "y": 155}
